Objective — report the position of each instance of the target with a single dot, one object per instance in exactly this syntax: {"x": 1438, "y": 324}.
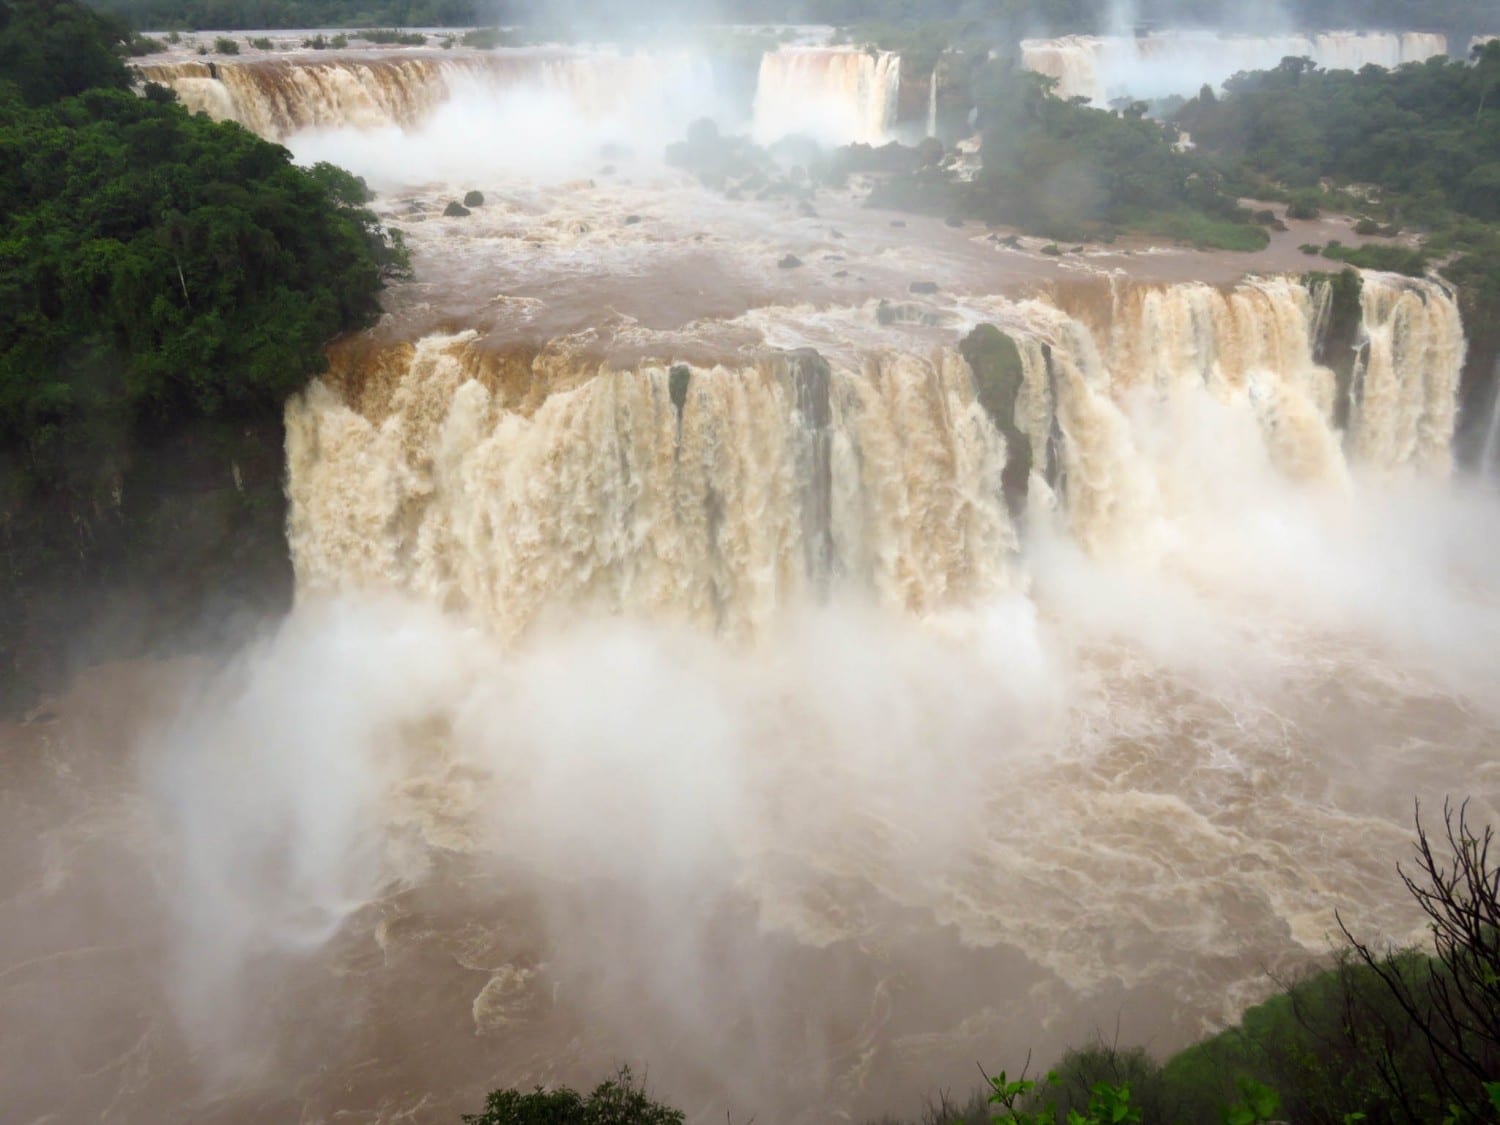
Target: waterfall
{"x": 1101, "y": 68}
{"x": 278, "y": 97}
{"x": 713, "y": 495}
{"x": 1071, "y": 61}
{"x": 837, "y": 95}
{"x": 932, "y": 102}
{"x": 1419, "y": 46}
{"x": 605, "y": 498}
{"x": 1406, "y": 384}
{"x": 1489, "y": 453}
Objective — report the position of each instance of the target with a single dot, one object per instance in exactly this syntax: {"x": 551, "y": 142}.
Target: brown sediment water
{"x": 674, "y": 680}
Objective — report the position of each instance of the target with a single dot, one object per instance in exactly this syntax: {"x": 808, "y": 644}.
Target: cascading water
{"x": 608, "y": 497}
{"x": 1406, "y": 384}
{"x": 277, "y": 98}
{"x": 1101, "y": 68}
{"x": 1489, "y": 453}
{"x": 837, "y": 95}
{"x": 795, "y": 683}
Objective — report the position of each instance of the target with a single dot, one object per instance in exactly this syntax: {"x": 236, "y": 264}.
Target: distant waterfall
{"x": 837, "y": 95}
{"x": 1489, "y": 453}
{"x": 1100, "y": 68}
{"x": 276, "y": 98}
{"x": 932, "y": 102}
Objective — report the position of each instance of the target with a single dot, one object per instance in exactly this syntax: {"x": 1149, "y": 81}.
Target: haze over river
{"x": 671, "y": 682}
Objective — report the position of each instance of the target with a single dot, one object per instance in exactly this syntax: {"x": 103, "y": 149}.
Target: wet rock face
{"x": 455, "y": 210}
{"x": 185, "y": 551}
{"x": 996, "y": 363}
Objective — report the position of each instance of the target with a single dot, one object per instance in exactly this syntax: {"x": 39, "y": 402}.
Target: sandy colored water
{"x": 749, "y": 737}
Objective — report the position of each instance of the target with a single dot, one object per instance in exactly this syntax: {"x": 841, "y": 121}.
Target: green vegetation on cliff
{"x": 1428, "y": 135}
{"x": 1415, "y": 148}
{"x": 158, "y": 265}
{"x": 239, "y": 15}
{"x": 1063, "y": 170}
{"x": 1069, "y": 171}
{"x": 165, "y": 282}
{"x": 1459, "y": 18}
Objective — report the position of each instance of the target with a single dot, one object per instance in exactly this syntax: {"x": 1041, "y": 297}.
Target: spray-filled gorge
{"x": 798, "y": 680}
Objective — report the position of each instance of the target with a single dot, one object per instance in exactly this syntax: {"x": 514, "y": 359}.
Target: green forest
{"x": 1065, "y": 171}
{"x": 1460, "y": 18}
{"x": 165, "y": 282}
{"x": 1417, "y": 148}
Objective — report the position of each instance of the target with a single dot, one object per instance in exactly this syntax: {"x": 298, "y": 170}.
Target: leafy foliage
{"x": 52, "y": 49}
{"x": 619, "y": 1101}
{"x": 1418, "y": 146}
{"x": 1452, "y": 1002}
{"x": 165, "y": 282}
{"x": 1459, "y": 18}
{"x": 393, "y": 36}
{"x": 157, "y": 263}
{"x": 241, "y": 15}
{"x": 1429, "y": 133}
{"x": 1377, "y": 256}
{"x": 487, "y": 38}
{"x": 1064, "y": 170}
{"x": 1024, "y": 1102}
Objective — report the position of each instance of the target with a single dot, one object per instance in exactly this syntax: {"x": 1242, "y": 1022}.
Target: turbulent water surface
{"x": 698, "y": 665}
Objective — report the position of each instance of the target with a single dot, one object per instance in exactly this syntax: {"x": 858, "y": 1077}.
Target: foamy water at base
{"x": 663, "y": 691}
{"x": 383, "y": 862}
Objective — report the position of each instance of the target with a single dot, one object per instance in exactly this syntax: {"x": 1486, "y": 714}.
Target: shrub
{"x": 1304, "y": 206}
{"x": 1105, "y": 1104}
{"x": 226, "y": 46}
{"x": 1367, "y": 226}
{"x": 391, "y": 36}
{"x": 1203, "y": 232}
{"x": 339, "y": 42}
{"x": 619, "y": 1101}
{"x": 1393, "y": 259}
{"x": 1394, "y": 1036}
{"x": 486, "y": 38}
{"x": 1083, "y": 1070}
{"x": 1451, "y": 1001}
{"x": 138, "y": 45}
{"x": 262, "y": 43}
{"x": 1397, "y": 1036}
